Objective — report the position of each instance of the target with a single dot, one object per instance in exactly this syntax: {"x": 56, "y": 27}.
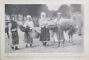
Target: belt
{"x": 14, "y": 29}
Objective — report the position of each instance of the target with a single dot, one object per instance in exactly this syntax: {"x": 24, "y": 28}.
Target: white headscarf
{"x": 43, "y": 14}
{"x": 28, "y": 16}
{"x": 29, "y": 23}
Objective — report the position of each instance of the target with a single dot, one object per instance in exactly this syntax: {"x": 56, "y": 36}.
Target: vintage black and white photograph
{"x": 44, "y": 28}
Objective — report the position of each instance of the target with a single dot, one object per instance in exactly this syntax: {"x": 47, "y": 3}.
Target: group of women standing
{"x": 44, "y": 31}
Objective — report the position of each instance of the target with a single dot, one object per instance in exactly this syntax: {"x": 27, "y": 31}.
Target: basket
{"x": 52, "y": 27}
{"x": 23, "y": 29}
{"x": 34, "y": 34}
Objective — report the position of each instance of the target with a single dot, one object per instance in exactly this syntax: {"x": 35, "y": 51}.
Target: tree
{"x": 33, "y": 10}
{"x": 65, "y": 10}
{"x": 75, "y": 7}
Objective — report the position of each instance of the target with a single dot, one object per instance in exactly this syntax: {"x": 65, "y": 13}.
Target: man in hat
{"x": 54, "y": 32}
{"x": 58, "y": 31}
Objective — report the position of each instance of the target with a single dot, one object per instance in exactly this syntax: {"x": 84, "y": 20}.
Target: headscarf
{"x": 43, "y": 14}
{"x": 28, "y": 16}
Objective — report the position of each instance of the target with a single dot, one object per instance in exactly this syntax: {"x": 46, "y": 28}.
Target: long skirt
{"x": 27, "y": 38}
{"x": 15, "y": 38}
{"x": 44, "y": 36}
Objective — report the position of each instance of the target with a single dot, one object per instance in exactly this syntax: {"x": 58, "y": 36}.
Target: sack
{"x": 37, "y": 30}
{"x": 52, "y": 27}
{"x": 65, "y": 24}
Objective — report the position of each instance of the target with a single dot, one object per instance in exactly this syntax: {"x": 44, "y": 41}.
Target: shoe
{"x": 26, "y": 46}
{"x": 12, "y": 47}
{"x": 58, "y": 44}
{"x": 80, "y": 34}
{"x": 45, "y": 44}
{"x": 30, "y": 45}
{"x": 16, "y": 48}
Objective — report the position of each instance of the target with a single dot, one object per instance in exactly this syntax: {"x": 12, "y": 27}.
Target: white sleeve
{"x": 25, "y": 24}
{"x": 31, "y": 25}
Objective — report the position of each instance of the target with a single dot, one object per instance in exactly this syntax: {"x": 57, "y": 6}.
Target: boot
{"x": 12, "y": 47}
{"x": 80, "y": 34}
{"x": 45, "y": 43}
{"x": 30, "y": 45}
{"x": 58, "y": 44}
{"x": 26, "y": 46}
{"x": 16, "y": 48}
{"x": 63, "y": 42}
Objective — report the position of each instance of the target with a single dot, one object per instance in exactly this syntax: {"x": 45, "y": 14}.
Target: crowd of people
{"x": 48, "y": 29}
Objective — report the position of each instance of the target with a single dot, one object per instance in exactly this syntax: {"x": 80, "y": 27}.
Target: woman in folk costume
{"x": 27, "y": 37}
{"x": 43, "y": 23}
{"x": 14, "y": 33}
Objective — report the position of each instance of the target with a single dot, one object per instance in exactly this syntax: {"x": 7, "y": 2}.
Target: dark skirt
{"x": 44, "y": 36}
{"x": 15, "y": 38}
{"x": 6, "y": 30}
{"x": 27, "y": 38}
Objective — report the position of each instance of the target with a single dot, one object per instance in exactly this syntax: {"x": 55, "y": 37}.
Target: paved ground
{"x": 51, "y": 46}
